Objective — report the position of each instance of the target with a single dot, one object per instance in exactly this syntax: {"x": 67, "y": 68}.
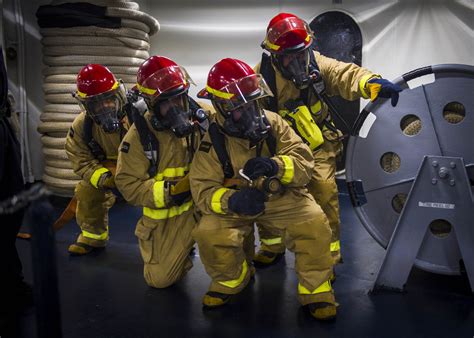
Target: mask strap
{"x": 258, "y": 148}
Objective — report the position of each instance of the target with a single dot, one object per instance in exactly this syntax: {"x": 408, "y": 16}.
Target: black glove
{"x": 247, "y": 201}
{"x": 260, "y": 166}
{"x": 179, "y": 195}
{"x": 383, "y": 88}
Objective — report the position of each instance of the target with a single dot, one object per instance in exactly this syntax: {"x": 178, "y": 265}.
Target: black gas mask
{"x": 247, "y": 121}
{"x": 172, "y": 114}
{"x": 294, "y": 67}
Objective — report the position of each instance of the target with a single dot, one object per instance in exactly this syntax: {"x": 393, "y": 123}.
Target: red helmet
{"x": 234, "y": 89}
{"x": 287, "y": 33}
{"x": 95, "y": 79}
{"x": 159, "y": 77}
{"x": 99, "y": 93}
{"x": 232, "y": 83}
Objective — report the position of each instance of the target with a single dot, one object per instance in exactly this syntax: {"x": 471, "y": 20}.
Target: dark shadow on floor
{"x": 104, "y": 295}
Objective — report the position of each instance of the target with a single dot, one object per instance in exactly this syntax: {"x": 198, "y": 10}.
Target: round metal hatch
{"x": 387, "y": 147}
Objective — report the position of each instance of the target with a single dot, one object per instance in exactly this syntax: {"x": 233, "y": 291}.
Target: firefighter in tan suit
{"x": 91, "y": 145}
{"x": 153, "y": 162}
{"x": 261, "y": 144}
{"x": 293, "y": 71}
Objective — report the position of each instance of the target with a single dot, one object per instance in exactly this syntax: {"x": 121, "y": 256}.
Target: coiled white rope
{"x": 96, "y": 31}
{"x": 95, "y": 51}
{"x": 88, "y": 41}
{"x": 103, "y": 3}
{"x": 81, "y": 60}
{"x": 65, "y": 52}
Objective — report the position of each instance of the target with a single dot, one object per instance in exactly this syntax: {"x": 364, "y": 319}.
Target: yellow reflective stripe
{"x": 159, "y": 194}
{"x": 171, "y": 172}
{"x": 115, "y": 86}
{"x": 363, "y": 84}
{"x": 218, "y": 93}
{"x": 236, "y": 282}
{"x": 146, "y": 90}
{"x": 289, "y": 170}
{"x": 316, "y": 108}
{"x": 112, "y": 157}
{"x": 216, "y": 205}
{"x": 81, "y": 94}
{"x": 271, "y": 45}
{"x": 336, "y": 246}
{"x": 102, "y": 237}
{"x": 96, "y": 176}
{"x": 308, "y": 37}
{"x": 167, "y": 213}
{"x": 271, "y": 241}
{"x": 325, "y": 287}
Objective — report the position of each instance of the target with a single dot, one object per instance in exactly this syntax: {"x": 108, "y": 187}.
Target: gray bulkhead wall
{"x": 398, "y": 36}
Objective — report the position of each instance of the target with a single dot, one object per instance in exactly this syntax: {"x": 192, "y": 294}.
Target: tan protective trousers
{"x": 225, "y": 244}
{"x": 92, "y": 214}
{"x": 324, "y": 190}
{"x": 165, "y": 246}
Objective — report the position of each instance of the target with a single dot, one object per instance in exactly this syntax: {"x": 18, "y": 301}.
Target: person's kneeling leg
{"x": 221, "y": 243}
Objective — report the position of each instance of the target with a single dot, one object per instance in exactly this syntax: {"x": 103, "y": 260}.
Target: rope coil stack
{"x": 119, "y": 39}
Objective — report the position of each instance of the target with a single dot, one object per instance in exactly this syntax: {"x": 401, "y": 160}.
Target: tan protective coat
{"x": 340, "y": 79}
{"x": 92, "y": 203}
{"x": 164, "y": 243}
{"x": 223, "y": 237}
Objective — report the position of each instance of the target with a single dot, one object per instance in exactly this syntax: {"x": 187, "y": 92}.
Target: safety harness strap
{"x": 149, "y": 142}
{"x": 92, "y": 144}
{"x": 218, "y": 141}
{"x": 268, "y": 74}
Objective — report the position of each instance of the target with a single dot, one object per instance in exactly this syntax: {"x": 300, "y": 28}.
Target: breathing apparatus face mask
{"x": 239, "y": 105}
{"x": 173, "y": 114}
{"x": 247, "y": 121}
{"x": 104, "y": 109}
{"x": 295, "y": 67}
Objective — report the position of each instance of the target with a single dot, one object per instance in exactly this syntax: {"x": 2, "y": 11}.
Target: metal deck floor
{"x": 105, "y": 295}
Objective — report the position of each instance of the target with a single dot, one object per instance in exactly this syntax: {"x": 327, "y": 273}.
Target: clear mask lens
{"x": 104, "y": 110}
